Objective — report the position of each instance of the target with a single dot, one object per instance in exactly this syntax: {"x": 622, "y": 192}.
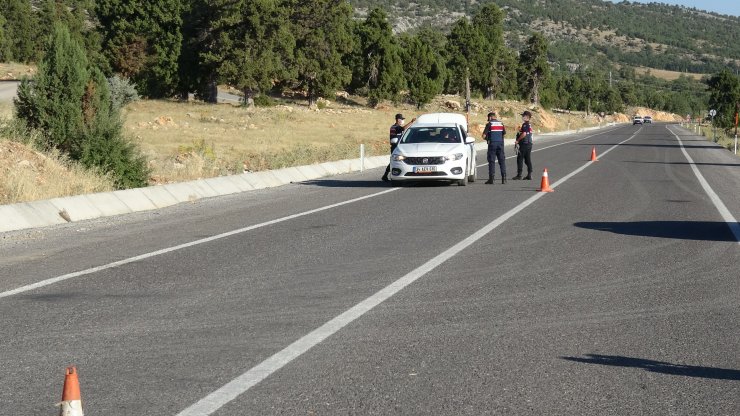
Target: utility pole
{"x": 610, "y": 79}
{"x": 467, "y": 96}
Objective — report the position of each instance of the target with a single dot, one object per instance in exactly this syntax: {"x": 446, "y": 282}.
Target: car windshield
{"x": 417, "y": 135}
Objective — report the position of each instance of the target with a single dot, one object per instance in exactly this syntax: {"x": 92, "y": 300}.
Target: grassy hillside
{"x": 652, "y": 35}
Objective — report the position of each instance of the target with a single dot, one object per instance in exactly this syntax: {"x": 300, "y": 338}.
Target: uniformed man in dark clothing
{"x": 395, "y": 135}
{"x": 494, "y": 134}
{"x": 524, "y": 143}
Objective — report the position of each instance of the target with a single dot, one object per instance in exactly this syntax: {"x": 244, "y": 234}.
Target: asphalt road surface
{"x": 8, "y": 90}
{"x": 617, "y": 294}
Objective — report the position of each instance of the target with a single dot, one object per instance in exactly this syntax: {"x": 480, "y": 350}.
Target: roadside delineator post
{"x": 593, "y": 155}
{"x": 545, "y": 184}
{"x": 71, "y": 404}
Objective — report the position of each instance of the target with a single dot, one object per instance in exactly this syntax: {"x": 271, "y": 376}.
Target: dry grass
{"x": 11, "y": 71}
{"x": 194, "y": 140}
{"x": 28, "y": 174}
{"x": 667, "y": 75}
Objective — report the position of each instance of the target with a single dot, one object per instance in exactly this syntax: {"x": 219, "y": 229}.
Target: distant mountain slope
{"x": 654, "y": 35}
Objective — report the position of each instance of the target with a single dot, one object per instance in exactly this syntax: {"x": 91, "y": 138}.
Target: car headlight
{"x": 399, "y": 158}
{"x": 456, "y": 156}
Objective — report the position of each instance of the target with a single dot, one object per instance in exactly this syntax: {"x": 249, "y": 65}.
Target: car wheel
{"x": 474, "y": 175}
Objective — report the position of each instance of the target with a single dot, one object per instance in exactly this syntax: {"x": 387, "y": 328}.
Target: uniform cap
{"x": 399, "y": 116}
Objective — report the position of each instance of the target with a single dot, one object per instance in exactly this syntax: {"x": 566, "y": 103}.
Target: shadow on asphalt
{"x": 685, "y": 163}
{"x": 674, "y": 146}
{"x": 335, "y": 183}
{"x": 680, "y": 230}
{"x": 659, "y": 366}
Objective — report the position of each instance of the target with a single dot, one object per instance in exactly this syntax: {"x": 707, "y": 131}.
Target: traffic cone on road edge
{"x": 593, "y": 154}
{"x": 545, "y": 184}
{"x": 71, "y": 404}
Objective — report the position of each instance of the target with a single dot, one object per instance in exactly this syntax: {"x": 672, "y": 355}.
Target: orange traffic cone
{"x": 545, "y": 185}
{"x": 71, "y": 401}
{"x": 593, "y": 154}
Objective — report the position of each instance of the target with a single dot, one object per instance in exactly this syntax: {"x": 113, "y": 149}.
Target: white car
{"x": 435, "y": 148}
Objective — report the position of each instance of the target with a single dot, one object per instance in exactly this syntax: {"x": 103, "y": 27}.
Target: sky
{"x": 731, "y": 7}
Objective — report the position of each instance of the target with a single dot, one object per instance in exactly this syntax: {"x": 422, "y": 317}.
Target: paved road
{"x": 616, "y": 294}
{"x": 8, "y": 90}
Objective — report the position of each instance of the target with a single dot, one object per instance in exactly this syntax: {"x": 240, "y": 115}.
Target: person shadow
{"x": 659, "y": 366}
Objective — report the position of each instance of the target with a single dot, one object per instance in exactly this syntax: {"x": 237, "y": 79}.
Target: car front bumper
{"x": 452, "y": 170}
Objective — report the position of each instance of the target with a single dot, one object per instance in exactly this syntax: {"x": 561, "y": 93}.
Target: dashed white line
{"x": 68, "y": 276}
{"x": 230, "y": 391}
{"x": 556, "y": 145}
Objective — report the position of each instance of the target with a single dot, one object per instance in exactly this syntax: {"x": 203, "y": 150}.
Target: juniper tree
{"x": 142, "y": 41}
{"x": 534, "y": 68}
{"x": 69, "y": 103}
{"x": 254, "y": 46}
{"x": 323, "y": 36}
{"x": 376, "y": 61}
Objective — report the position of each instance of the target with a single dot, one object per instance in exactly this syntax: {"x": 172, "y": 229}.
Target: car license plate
{"x": 425, "y": 169}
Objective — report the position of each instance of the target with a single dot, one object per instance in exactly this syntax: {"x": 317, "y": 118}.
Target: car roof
{"x": 442, "y": 118}
{"x": 427, "y": 125}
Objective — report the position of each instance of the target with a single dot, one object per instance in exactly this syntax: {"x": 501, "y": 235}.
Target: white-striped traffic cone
{"x": 71, "y": 401}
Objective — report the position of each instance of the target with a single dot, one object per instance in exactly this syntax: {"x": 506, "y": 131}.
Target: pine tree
{"x": 142, "y": 41}
{"x": 4, "y": 49}
{"x": 724, "y": 89}
{"x": 467, "y": 47}
{"x": 255, "y": 45}
{"x": 534, "y": 67}
{"x": 79, "y": 17}
{"x": 23, "y": 43}
{"x": 195, "y": 74}
{"x": 323, "y": 37}
{"x": 489, "y": 20}
{"x": 376, "y": 60}
{"x": 425, "y": 69}
{"x": 70, "y": 104}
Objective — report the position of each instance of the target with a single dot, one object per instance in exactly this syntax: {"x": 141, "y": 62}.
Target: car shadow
{"x": 336, "y": 183}
{"x": 679, "y": 230}
{"x": 659, "y": 366}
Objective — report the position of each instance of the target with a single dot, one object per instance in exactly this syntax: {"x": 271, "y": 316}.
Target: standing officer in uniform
{"x": 395, "y": 135}
{"x": 494, "y": 134}
{"x": 524, "y": 143}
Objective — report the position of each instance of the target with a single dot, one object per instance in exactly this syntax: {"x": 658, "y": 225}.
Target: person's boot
{"x": 517, "y": 177}
{"x": 385, "y": 177}
{"x": 503, "y": 179}
{"x": 489, "y": 181}
{"x": 528, "y": 177}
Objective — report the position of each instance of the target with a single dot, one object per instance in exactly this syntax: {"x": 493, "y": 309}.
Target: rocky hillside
{"x": 652, "y": 35}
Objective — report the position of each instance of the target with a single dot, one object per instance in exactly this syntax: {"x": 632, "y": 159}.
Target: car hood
{"x": 429, "y": 149}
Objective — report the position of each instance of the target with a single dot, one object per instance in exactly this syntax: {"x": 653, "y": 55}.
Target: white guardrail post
{"x": 362, "y": 157}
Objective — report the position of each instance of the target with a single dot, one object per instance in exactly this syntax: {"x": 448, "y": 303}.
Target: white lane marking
{"x": 723, "y": 211}
{"x": 231, "y": 390}
{"x": 68, "y": 276}
{"x": 556, "y": 145}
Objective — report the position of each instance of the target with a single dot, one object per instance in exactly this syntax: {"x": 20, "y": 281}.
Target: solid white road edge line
{"x": 559, "y": 144}
{"x": 214, "y": 401}
{"x": 68, "y": 276}
{"x": 723, "y": 211}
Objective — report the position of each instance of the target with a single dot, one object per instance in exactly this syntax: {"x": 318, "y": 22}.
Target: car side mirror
{"x": 394, "y": 140}
{"x": 469, "y": 140}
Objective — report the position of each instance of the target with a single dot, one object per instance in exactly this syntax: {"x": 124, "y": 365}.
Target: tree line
{"x": 171, "y": 48}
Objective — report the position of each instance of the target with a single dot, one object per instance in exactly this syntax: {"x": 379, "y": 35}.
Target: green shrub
{"x": 122, "y": 91}
{"x": 263, "y": 100}
{"x": 70, "y": 104}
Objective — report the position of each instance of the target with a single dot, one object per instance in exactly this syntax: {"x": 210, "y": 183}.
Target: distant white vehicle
{"x": 636, "y": 120}
{"x": 436, "y": 147}
{"x": 647, "y": 120}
